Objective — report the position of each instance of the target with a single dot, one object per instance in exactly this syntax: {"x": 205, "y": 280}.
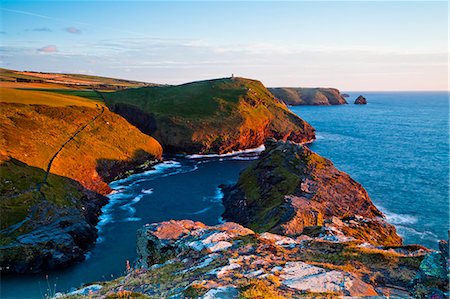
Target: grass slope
{"x": 34, "y": 125}
{"x": 209, "y": 116}
{"x": 50, "y": 98}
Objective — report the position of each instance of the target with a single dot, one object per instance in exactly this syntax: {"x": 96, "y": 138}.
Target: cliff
{"x": 186, "y": 259}
{"x": 291, "y": 190}
{"x": 214, "y": 116}
{"x": 308, "y": 96}
{"x": 57, "y": 155}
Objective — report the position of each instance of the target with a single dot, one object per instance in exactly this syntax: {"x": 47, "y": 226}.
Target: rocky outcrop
{"x": 57, "y": 223}
{"x": 308, "y": 96}
{"x": 186, "y": 259}
{"x": 291, "y": 190}
{"x": 360, "y": 100}
{"x": 432, "y": 279}
{"x": 214, "y": 116}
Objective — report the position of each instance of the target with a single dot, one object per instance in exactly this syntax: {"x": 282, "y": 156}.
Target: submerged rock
{"x": 291, "y": 190}
{"x": 360, "y": 100}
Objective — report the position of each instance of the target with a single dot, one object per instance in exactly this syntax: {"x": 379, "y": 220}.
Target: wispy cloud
{"x": 41, "y": 29}
{"x": 48, "y": 49}
{"x": 73, "y": 30}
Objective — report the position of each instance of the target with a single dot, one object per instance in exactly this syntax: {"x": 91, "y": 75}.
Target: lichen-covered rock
{"x": 304, "y": 277}
{"x": 176, "y": 261}
{"x": 291, "y": 189}
{"x": 432, "y": 279}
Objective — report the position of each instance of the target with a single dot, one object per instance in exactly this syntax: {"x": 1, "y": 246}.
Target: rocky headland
{"x": 296, "y": 96}
{"x": 291, "y": 190}
{"x": 213, "y": 116}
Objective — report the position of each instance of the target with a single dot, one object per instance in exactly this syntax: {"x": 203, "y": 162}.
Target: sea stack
{"x": 360, "y": 100}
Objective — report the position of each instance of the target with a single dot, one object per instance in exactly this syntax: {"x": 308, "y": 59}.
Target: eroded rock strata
{"x": 291, "y": 190}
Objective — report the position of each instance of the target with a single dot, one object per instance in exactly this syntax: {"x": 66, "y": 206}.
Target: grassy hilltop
{"x": 209, "y": 116}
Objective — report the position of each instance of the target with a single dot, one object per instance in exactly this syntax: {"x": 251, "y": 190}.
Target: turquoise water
{"x": 396, "y": 146}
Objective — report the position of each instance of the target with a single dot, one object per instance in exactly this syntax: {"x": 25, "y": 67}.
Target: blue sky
{"x": 356, "y": 45}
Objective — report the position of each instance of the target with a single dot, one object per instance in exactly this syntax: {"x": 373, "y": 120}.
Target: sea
{"x": 396, "y": 146}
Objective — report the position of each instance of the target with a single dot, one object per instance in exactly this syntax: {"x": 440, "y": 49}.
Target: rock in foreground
{"x": 186, "y": 259}
{"x": 291, "y": 190}
{"x": 308, "y": 96}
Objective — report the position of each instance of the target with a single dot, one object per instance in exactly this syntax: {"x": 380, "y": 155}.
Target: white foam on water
{"x": 425, "y": 235}
{"x": 147, "y": 191}
{"x": 132, "y": 219}
{"x": 157, "y": 169}
{"x": 258, "y": 149}
{"x": 398, "y": 219}
{"x": 200, "y": 211}
{"x": 217, "y": 197}
{"x": 128, "y": 206}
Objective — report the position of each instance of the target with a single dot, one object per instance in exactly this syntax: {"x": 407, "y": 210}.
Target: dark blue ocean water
{"x": 396, "y": 146}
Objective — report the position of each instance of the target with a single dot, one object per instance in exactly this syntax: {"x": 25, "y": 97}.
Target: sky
{"x": 355, "y": 45}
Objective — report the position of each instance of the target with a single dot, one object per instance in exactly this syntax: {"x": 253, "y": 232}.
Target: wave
{"x": 201, "y": 211}
{"x": 129, "y": 207}
{"x": 147, "y": 191}
{"x": 425, "y": 235}
{"x": 132, "y": 219}
{"x": 398, "y": 219}
{"x": 106, "y": 217}
{"x": 157, "y": 169}
{"x": 217, "y": 197}
{"x": 256, "y": 150}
